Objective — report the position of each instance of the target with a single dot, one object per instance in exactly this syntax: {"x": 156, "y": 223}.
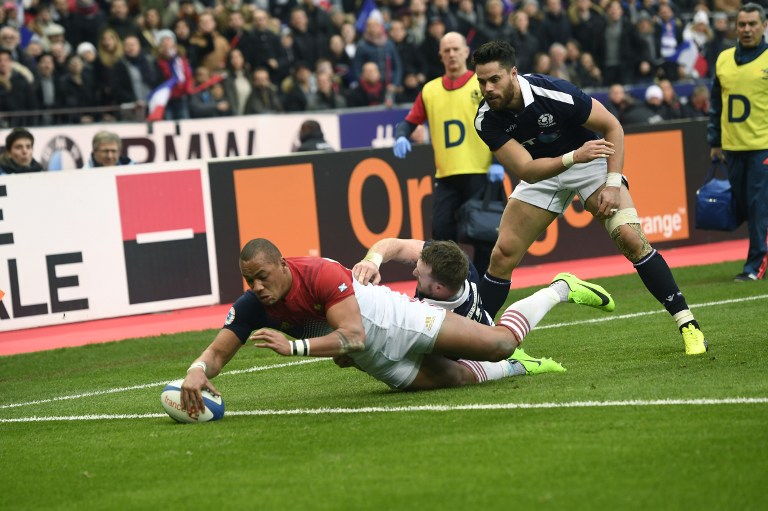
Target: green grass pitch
{"x": 633, "y": 424}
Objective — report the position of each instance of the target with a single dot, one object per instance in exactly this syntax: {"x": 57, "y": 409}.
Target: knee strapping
{"x": 622, "y": 217}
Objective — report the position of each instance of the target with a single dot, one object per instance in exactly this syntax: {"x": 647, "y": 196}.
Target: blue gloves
{"x": 496, "y": 173}
{"x": 402, "y": 147}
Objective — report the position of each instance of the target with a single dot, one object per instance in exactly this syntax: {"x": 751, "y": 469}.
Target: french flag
{"x": 688, "y": 55}
{"x": 158, "y": 99}
{"x": 369, "y": 8}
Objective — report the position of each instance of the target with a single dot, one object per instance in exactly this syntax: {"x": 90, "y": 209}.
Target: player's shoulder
{"x": 541, "y": 85}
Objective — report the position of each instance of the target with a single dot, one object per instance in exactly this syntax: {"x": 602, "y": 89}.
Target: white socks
{"x": 489, "y": 371}
{"x": 523, "y": 316}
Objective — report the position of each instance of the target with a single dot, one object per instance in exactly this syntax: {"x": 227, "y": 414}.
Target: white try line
{"x": 648, "y": 313}
{"x": 421, "y": 408}
{"x": 157, "y": 384}
{"x": 310, "y": 360}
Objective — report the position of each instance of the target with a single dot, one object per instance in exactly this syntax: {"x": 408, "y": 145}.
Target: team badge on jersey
{"x": 429, "y": 322}
{"x": 342, "y": 287}
{"x": 546, "y": 120}
{"x": 230, "y": 316}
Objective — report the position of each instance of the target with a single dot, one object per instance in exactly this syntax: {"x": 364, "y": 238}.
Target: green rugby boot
{"x": 695, "y": 344}
{"x": 535, "y": 365}
{"x": 586, "y": 293}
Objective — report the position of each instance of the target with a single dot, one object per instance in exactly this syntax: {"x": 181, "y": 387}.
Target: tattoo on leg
{"x": 645, "y": 249}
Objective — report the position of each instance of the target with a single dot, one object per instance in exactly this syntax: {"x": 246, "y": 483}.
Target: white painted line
{"x": 648, "y": 313}
{"x": 158, "y": 384}
{"x": 310, "y": 360}
{"x": 422, "y": 408}
{"x": 156, "y": 237}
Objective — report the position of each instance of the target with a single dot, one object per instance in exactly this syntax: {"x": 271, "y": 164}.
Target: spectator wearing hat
{"x": 14, "y": 92}
{"x": 54, "y": 33}
{"x": 107, "y": 151}
{"x": 650, "y": 111}
{"x": 17, "y": 158}
{"x": 87, "y": 52}
{"x": 168, "y": 61}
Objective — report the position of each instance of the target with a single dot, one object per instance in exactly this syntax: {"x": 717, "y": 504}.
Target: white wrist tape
{"x": 299, "y": 348}
{"x": 613, "y": 179}
{"x": 568, "y": 160}
{"x": 374, "y": 258}
{"x": 199, "y": 364}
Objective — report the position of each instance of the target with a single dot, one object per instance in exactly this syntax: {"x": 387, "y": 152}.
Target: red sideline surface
{"x": 202, "y": 318}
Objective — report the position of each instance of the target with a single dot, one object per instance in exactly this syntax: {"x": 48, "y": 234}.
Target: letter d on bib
{"x": 447, "y": 133}
{"x": 733, "y": 101}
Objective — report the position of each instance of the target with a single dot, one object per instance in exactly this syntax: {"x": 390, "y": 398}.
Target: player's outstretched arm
{"x": 385, "y": 250}
{"x": 207, "y": 365}
{"x": 348, "y": 335}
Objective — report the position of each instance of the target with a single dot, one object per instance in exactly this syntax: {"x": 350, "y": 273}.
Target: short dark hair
{"x": 261, "y": 246}
{"x": 753, "y": 7}
{"x": 448, "y": 261}
{"x": 495, "y": 51}
{"x": 16, "y": 134}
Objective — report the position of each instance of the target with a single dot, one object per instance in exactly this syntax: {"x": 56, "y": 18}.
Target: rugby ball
{"x": 171, "y": 400}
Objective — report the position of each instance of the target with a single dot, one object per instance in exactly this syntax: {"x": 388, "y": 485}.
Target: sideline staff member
{"x": 741, "y": 130}
{"x": 462, "y": 161}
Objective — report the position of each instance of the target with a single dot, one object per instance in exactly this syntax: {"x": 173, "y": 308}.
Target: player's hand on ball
{"x": 191, "y": 392}
{"x": 365, "y": 272}
{"x": 272, "y": 339}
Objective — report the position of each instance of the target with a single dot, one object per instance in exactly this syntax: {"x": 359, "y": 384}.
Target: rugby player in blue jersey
{"x": 560, "y": 142}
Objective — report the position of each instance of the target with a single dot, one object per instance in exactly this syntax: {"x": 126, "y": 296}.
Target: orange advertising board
{"x": 655, "y": 168}
{"x": 278, "y": 203}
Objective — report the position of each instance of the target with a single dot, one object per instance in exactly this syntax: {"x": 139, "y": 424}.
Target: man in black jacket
{"x": 17, "y": 158}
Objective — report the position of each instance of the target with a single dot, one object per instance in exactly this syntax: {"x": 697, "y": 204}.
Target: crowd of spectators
{"x": 98, "y": 60}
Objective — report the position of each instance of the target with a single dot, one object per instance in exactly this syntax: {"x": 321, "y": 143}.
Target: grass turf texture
{"x": 686, "y": 456}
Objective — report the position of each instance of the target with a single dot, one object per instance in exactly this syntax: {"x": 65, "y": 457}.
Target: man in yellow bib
{"x": 462, "y": 160}
{"x": 738, "y": 129}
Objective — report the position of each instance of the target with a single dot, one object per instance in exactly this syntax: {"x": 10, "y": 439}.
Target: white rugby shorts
{"x": 556, "y": 193}
{"x": 399, "y": 331}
